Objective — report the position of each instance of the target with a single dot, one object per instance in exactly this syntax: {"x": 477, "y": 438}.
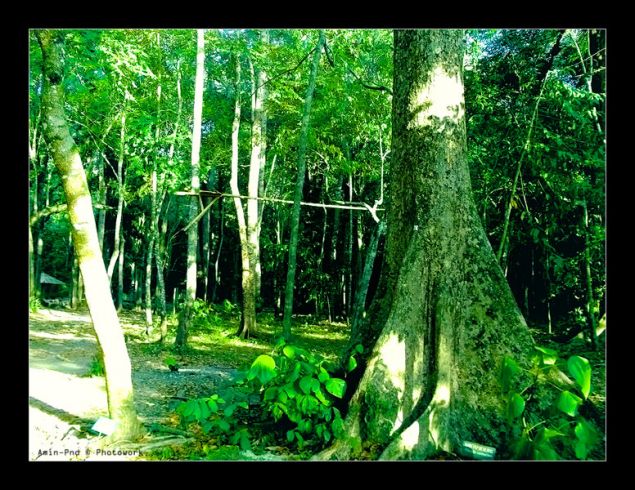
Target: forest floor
{"x": 66, "y": 398}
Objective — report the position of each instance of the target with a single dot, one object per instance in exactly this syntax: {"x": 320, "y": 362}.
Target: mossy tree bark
{"x": 86, "y": 242}
{"x": 430, "y": 381}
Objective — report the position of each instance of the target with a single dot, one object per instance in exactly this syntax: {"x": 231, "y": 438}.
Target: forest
{"x": 317, "y": 244}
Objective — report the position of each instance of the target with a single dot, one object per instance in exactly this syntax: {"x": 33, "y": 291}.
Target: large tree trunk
{"x": 430, "y": 382}
{"x": 80, "y": 210}
{"x": 192, "y": 233}
{"x": 299, "y": 185}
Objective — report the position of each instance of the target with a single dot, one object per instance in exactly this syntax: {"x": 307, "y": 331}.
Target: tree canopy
{"x": 286, "y": 205}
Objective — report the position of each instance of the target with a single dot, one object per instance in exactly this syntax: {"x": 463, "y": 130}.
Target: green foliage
{"x": 555, "y": 429}
{"x": 96, "y": 366}
{"x": 580, "y": 369}
{"x": 207, "y": 316}
{"x": 298, "y": 388}
{"x": 34, "y": 304}
{"x": 170, "y": 362}
{"x": 214, "y": 420}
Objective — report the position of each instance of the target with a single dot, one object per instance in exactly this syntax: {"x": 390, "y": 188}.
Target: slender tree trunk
{"x": 218, "y": 253}
{"x": 336, "y": 258}
{"x": 152, "y": 237}
{"x": 40, "y": 229}
{"x": 101, "y": 198}
{"x": 80, "y": 288}
{"x": 161, "y": 293}
{"x": 116, "y": 247}
{"x": 543, "y": 75}
{"x": 348, "y": 296}
{"x": 205, "y": 252}
{"x": 75, "y": 284}
{"x": 120, "y": 269}
{"x": 591, "y": 80}
{"x": 32, "y": 289}
{"x": 299, "y": 185}
{"x": 161, "y": 255}
{"x": 590, "y": 303}
{"x": 154, "y": 213}
{"x": 248, "y": 318}
{"x": 138, "y": 289}
{"x": 364, "y": 281}
{"x": 98, "y": 295}
{"x": 192, "y": 233}
{"x": 258, "y": 148}
{"x": 34, "y": 285}
{"x": 430, "y": 382}
{"x": 133, "y": 282}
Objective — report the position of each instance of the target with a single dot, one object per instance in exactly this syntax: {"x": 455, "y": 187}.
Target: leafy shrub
{"x": 221, "y": 423}
{"x": 229, "y": 307}
{"x": 204, "y": 315}
{"x": 545, "y": 421}
{"x": 297, "y": 387}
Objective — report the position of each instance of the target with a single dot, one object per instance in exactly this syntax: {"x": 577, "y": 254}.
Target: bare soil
{"x": 64, "y": 401}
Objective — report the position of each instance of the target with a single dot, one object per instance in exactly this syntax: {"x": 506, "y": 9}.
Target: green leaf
{"x": 336, "y": 387}
{"x": 290, "y": 435}
{"x": 580, "y": 369}
{"x": 290, "y": 391}
{"x": 549, "y": 356}
{"x": 545, "y": 452}
{"x": 320, "y": 396}
{"x": 289, "y": 351}
{"x": 509, "y": 371}
{"x": 587, "y": 436}
{"x": 338, "y": 426}
{"x": 359, "y": 348}
{"x": 223, "y": 425}
{"x": 549, "y": 433}
{"x": 569, "y": 403}
{"x": 323, "y": 376}
{"x": 305, "y": 384}
{"x": 300, "y": 439}
{"x": 213, "y": 406}
{"x": 352, "y": 364}
{"x": 327, "y": 435}
{"x": 308, "y": 404}
{"x": 245, "y": 444}
{"x": 515, "y": 406}
{"x": 206, "y": 425}
{"x": 270, "y": 393}
{"x": 263, "y": 368}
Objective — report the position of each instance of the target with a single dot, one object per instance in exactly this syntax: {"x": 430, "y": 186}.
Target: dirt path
{"x": 64, "y": 403}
